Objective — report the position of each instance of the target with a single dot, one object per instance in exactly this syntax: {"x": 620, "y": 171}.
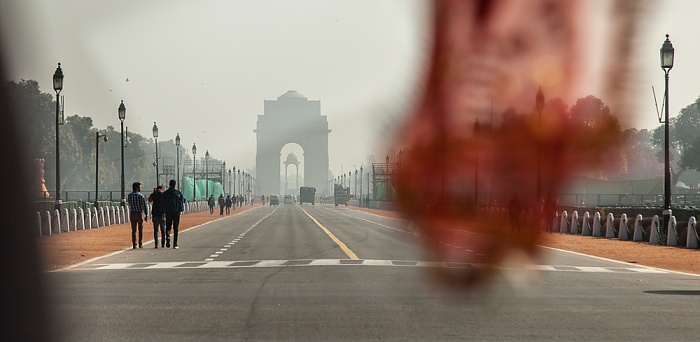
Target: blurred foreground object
{"x": 481, "y": 186}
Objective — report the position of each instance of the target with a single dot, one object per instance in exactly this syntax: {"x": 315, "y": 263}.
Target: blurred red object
{"x": 458, "y": 177}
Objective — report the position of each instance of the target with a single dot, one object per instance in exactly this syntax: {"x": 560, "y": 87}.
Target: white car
{"x": 288, "y": 199}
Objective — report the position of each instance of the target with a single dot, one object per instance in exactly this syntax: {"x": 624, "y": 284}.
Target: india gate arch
{"x": 292, "y": 118}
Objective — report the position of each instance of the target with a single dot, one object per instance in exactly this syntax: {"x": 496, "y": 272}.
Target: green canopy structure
{"x": 215, "y": 188}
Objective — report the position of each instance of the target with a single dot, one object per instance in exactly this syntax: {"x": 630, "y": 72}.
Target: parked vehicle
{"x": 341, "y": 195}
{"x": 307, "y": 194}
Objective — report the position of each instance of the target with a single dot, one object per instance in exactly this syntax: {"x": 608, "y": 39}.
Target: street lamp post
{"x": 355, "y": 184}
{"x": 58, "y": 86}
{"x": 234, "y": 181}
{"x": 539, "y": 105}
{"x": 177, "y": 157}
{"x": 122, "y": 116}
{"x": 206, "y": 172}
{"x": 388, "y": 192}
{"x": 667, "y": 53}
{"x": 194, "y": 172}
{"x": 229, "y": 181}
{"x": 155, "y": 136}
{"x": 223, "y": 177}
{"x": 97, "y": 162}
{"x": 361, "y": 173}
{"x": 240, "y": 189}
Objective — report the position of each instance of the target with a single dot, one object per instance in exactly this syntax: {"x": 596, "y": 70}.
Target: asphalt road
{"x": 321, "y": 273}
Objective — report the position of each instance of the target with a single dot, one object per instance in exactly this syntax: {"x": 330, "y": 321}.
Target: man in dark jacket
{"x": 173, "y": 205}
{"x": 158, "y": 215}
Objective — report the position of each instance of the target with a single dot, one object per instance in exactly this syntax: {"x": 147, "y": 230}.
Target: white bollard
{"x": 654, "y": 238}
{"x": 48, "y": 222}
{"x": 88, "y": 217}
{"x": 65, "y": 222}
{"x": 692, "y": 236}
{"x": 672, "y": 235}
{"x": 597, "y": 228}
{"x": 102, "y": 217}
{"x": 57, "y": 221}
{"x": 74, "y": 223}
{"x": 638, "y": 229}
{"x": 108, "y": 218}
{"x": 95, "y": 218}
{"x": 114, "y": 216}
{"x": 610, "y": 229}
{"x": 623, "y": 235}
{"x": 81, "y": 216}
{"x": 563, "y": 225}
{"x": 585, "y": 226}
{"x": 38, "y": 222}
{"x": 574, "y": 222}
{"x": 127, "y": 212}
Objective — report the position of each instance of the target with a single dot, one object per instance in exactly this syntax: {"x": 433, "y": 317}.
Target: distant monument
{"x": 39, "y": 189}
{"x": 292, "y": 118}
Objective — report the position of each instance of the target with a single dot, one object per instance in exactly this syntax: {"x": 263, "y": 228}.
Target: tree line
{"x": 36, "y": 123}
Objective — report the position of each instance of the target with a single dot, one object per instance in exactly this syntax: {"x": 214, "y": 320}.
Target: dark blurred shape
{"x": 458, "y": 174}
{"x": 24, "y": 302}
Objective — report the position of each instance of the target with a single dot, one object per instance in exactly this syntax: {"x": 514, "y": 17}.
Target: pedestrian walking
{"x": 222, "y": 204}
{"x": 157, "y": 215}
{"x": 211, "y": 203}
{"x": 173, "y": 206}
{"x": 138, "y": 212}
{"x": 228, "y": 205}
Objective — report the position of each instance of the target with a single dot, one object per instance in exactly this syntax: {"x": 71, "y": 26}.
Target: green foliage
{"x": 77, "y": 145}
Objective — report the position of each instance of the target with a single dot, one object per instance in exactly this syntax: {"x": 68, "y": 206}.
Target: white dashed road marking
{"x": 354, "y": 262}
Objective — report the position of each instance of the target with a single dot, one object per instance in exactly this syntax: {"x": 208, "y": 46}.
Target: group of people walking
{"x": 167, "y": 206}
{"x": 225, "y": 203}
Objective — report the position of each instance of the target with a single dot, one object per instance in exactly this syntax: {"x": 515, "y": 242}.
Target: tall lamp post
{"x": 361, "y": 173}
{"x": 155, "y": 136}
{"x": 223, "y": 177}
{"x": 229, "y": 181}
{"x": 177, "y": 157}
{"x": 122, "y": 116}
{"x": 667, "y": 52}
{"x": 240, "y": 188}
{"x": 234, "y": 182}
{"x": 194, "y": 172}
{"x": 206, "y": 172}
{"x": 97, "y": 162}
{"x": 539, "y": 105}
{"x": 58, "y": 86}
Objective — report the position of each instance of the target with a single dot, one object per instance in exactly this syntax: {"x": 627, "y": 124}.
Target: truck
{"x": 307, "y": 194}
{"x": 341, "y": 194}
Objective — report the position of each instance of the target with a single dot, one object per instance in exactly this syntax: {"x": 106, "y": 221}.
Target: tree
{"x": 683, "y": 133}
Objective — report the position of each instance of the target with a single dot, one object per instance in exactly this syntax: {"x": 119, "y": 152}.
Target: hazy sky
{"x": 204, "y": 68}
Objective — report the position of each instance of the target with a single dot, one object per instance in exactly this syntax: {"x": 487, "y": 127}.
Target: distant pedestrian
{"x": 138, "y": 212}
{"x": 157, "y": 215}
{"x": 211, "y": 203}
{"x": 228, "y": 205}
{"x": 222, "y": 204}
{"x": 173, "y": 206}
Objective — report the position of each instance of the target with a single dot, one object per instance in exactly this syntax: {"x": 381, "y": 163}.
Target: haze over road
{"x": 331, "y": 273}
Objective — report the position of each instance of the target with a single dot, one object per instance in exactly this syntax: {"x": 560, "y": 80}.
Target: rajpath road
{"x": 322, "y": 273}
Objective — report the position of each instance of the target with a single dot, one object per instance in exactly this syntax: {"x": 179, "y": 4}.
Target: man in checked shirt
{"x": 137, "y": 205}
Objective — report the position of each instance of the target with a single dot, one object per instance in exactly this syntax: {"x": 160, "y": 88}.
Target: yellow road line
{"x": 340, "y": 244}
